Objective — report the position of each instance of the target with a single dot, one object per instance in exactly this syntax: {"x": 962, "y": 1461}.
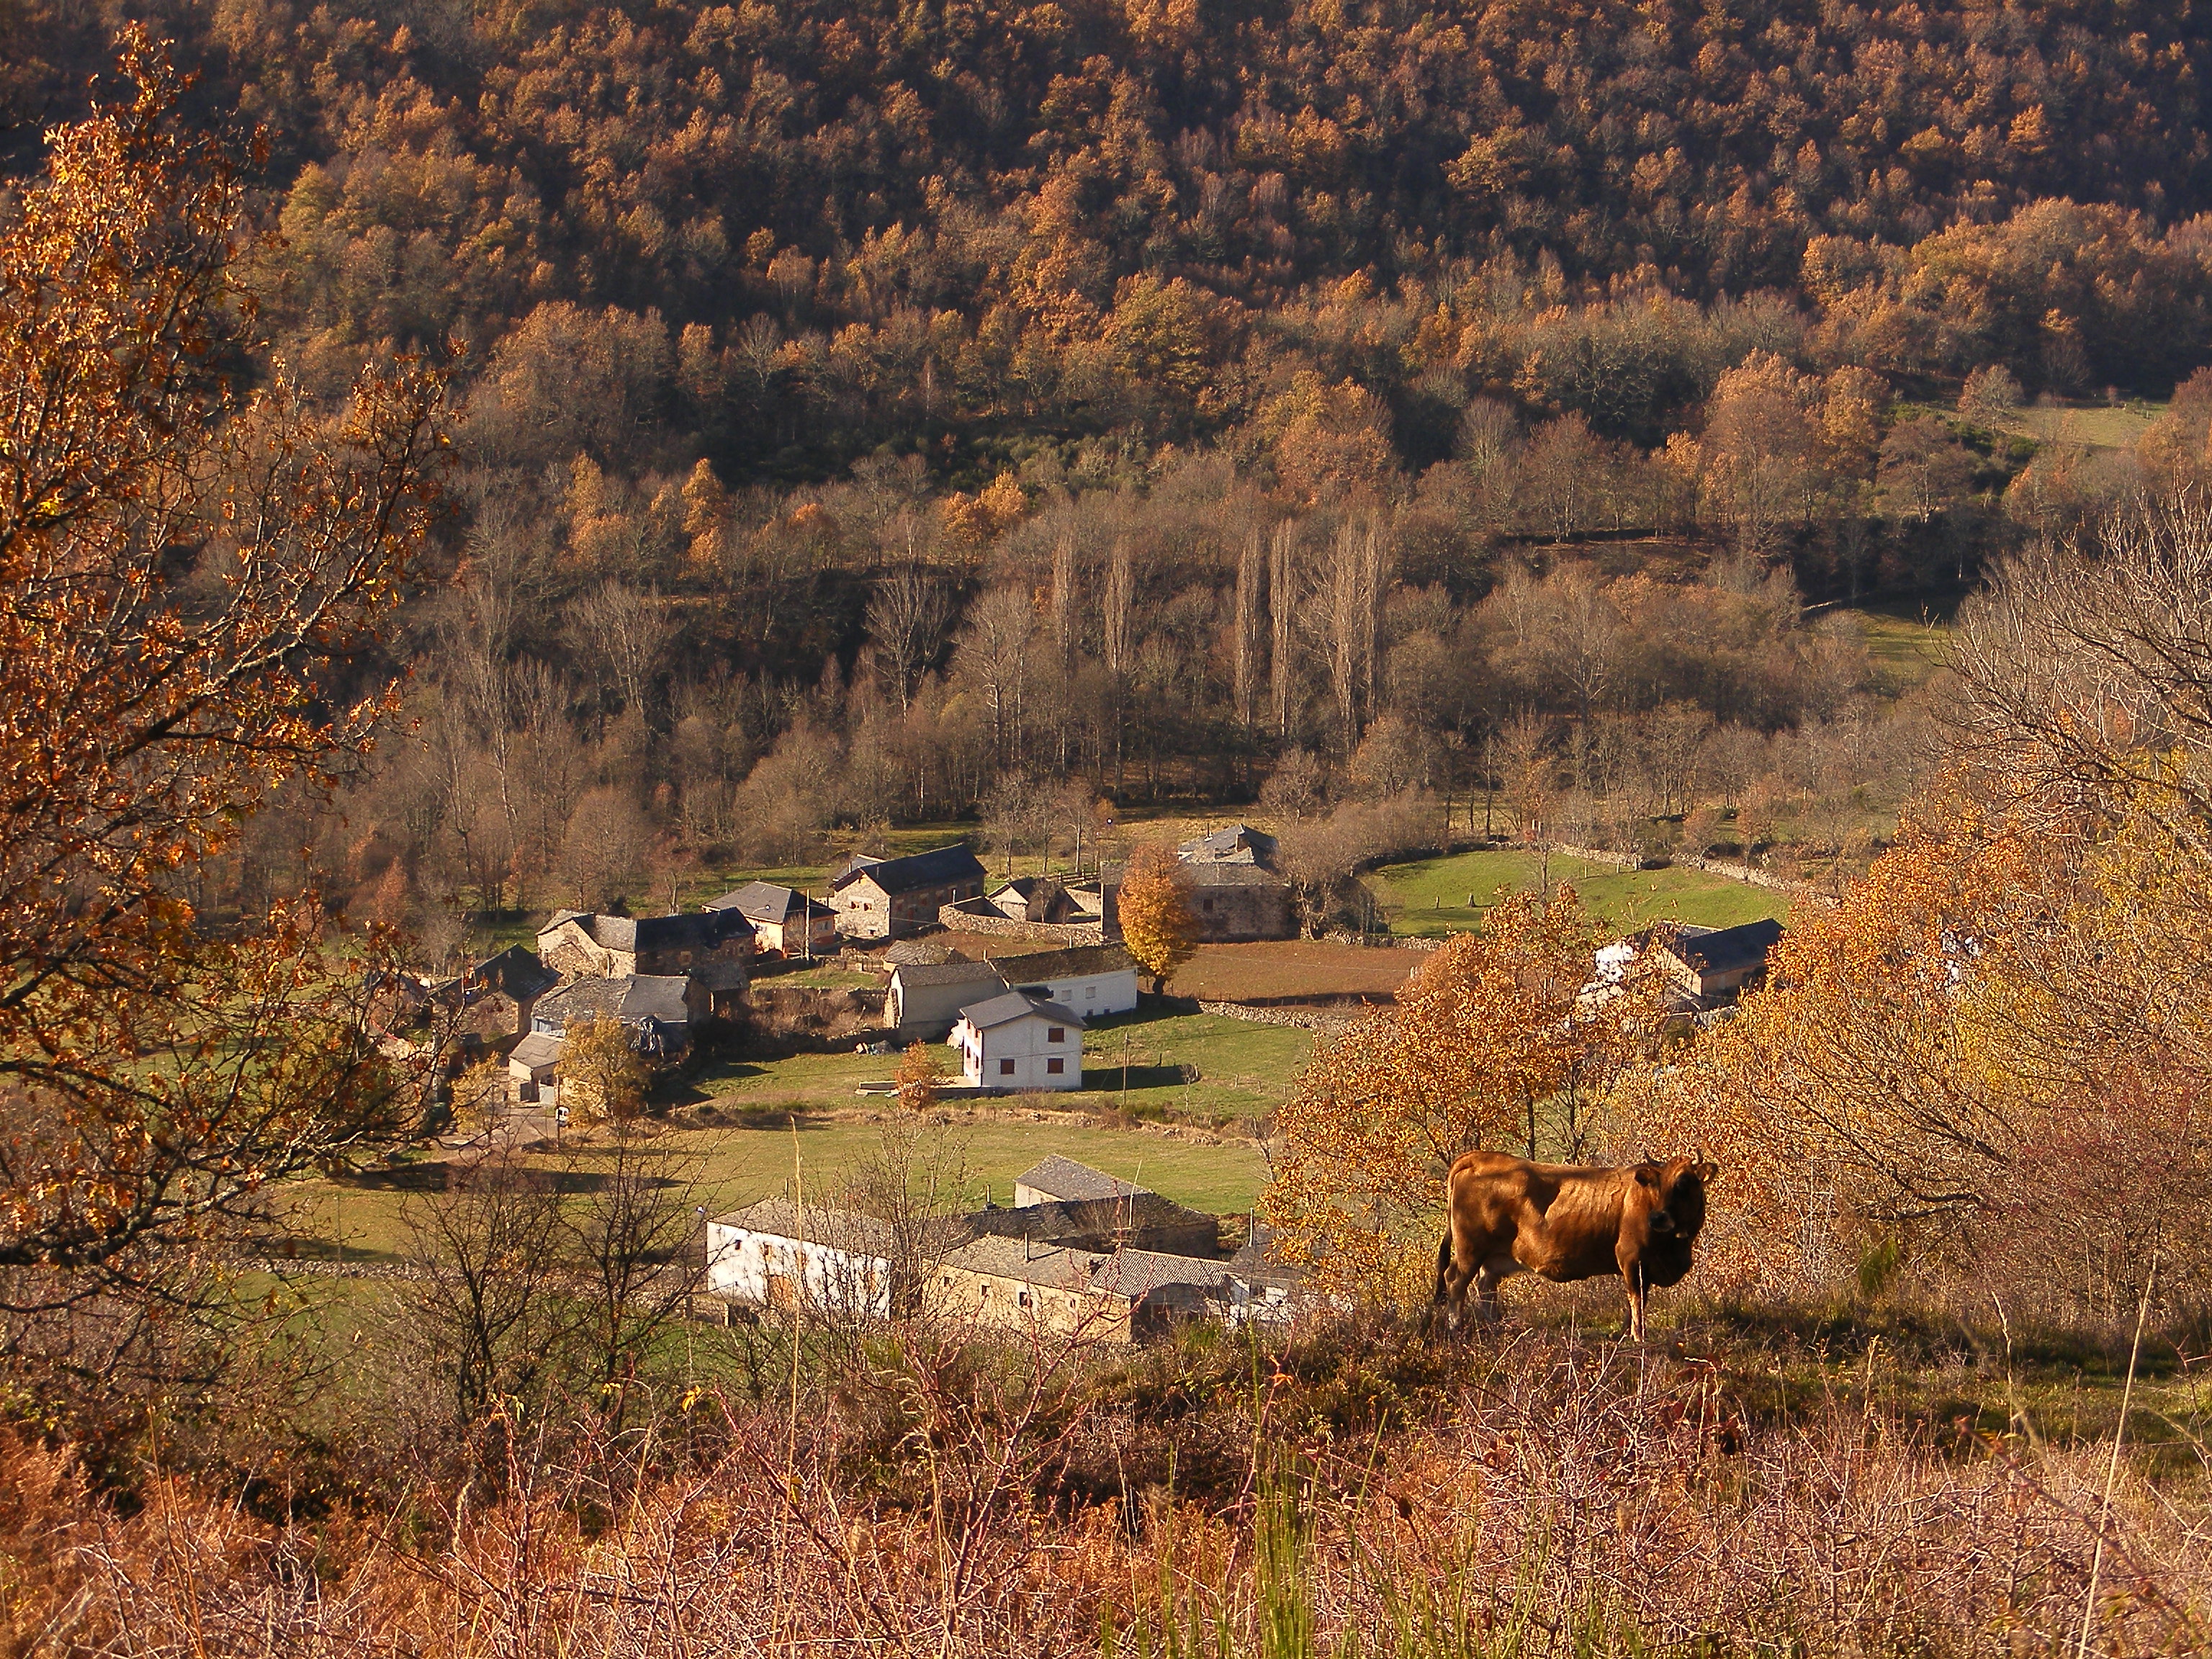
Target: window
{"x": 1090, "y": 990}
{"x": 1207, "y": 906}
{"x": 1005, "y": 1068}
{"x": 1023, "y": 1298}
{"x": 683, "y": 959}
{"x": 1057, "y": 1034}
{"x": 1056, "y": 1067}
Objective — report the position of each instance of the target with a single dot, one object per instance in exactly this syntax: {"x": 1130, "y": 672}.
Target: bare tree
{"x": 907, "y": 618}
{"x": 633, "y": 1256}
{"x": 1251, "y": 574}
{"x": 625, "y": 632}
{"x": 1120, "y": 599}
{"x": 994, "y": 654}
{"x": 1282, "y": 610}
{"x": 484, "y": 1301}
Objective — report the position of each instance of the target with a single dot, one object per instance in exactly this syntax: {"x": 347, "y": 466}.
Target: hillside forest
{"x": 458, "y": 460}
{"x": 863, "y": 412}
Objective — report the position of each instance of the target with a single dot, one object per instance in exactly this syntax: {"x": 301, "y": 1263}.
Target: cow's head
{"x": 1676, "y": 1190}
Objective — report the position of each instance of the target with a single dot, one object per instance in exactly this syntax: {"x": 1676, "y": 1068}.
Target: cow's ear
{"x": 1647, "y": 1176}
{"x": 1707, "y": 1171}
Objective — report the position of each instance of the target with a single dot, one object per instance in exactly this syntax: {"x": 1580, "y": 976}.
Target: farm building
{"x": 776, "y": 1255}
{"x": 1014, "y": 1042}
{"x": 889, "y": 898}
{"x": 1091, "y": 979}
{"x": 925, "y": 999}
{"x": 785, "y": 923}
{"x": 1240, "y": 844}
{"x": 1058, "y": 1179}
{"x": 1715, "y": 966}
{"x": 581, "y": 944}
{"x": 532, "y": 1065}
{"x": 1237, "y": 902}
{"x": 501, "y": 992}
{"x": 1118, "y": 1295}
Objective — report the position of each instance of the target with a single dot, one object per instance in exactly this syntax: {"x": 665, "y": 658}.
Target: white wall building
{"x": 1015, "y": 1041}
{"x": 773, "y": 1254}
{"x": 1092, "y": 980}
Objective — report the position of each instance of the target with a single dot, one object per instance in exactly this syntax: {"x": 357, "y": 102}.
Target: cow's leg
{"x": 1632, "y": 1273}
{"x": 1487, "y": 1278}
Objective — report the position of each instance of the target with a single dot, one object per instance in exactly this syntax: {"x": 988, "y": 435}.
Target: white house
{"x": 1090, "y": 978}
{"x": 1015, "y": 1041}
{"x": 775, "y": 1255}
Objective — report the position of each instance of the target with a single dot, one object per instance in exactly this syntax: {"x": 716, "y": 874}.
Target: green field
{"x": 1906, "y": 649}
{"x": 1429, "y": 898}
{"x": 1242, "y": 1070}
{"x": 726, "y": 1167}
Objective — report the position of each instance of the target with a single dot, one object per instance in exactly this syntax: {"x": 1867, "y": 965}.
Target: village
{"x": 1008, "y": 980}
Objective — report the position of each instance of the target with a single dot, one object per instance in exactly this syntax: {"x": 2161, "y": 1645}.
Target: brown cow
{"x": 1568, "y": 1221}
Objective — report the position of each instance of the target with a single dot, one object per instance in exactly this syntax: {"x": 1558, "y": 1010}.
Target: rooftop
{"x": 1728, "y": 950}
{"x": 1075, "y": 963}
{"x": 1013, "y": 1006}
{"x": 1064, "y": 1178}
{"x": 630, "y": 998}
{"x": 537, "y": 1049}
{"x": 939, "y": 868}
{"x": 946, "y": 973}
{"x": 842, "y": 1230}
{"x": 763, "y": 900}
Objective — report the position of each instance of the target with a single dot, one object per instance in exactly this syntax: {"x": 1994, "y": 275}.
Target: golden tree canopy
{"x": 602, "y": 1074}
{"x": 181, "y": 566}
{"x": 1157, "y": 923}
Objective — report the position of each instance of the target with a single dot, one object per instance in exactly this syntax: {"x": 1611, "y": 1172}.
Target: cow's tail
{"x": 1443, "y": 1267}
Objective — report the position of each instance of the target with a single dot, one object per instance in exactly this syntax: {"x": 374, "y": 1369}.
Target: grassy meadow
{"x": 1430, "y": 897}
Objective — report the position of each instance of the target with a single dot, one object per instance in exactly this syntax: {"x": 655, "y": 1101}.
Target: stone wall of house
{"x": 571, "y": 952}
{"x": 1230, "y": 914}
{"x": 981, "y": 916}
{"x": 738, "y": 947}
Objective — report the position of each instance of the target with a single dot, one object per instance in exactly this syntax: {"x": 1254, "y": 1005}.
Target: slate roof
{"x": 946, "y": 973}
{"x": 1728, "y": 950}
{"x": 842, "y": 1230}
{"x": 537, "y": 1049}
{"x": 695, "y": 930}
{"x": 938, "y": 868}
{"x": 516, "y": 971}
{"x": 629, "y": 1000}
{"x": 919, "y": 953}
{"x": 1240, "y": 844}
{"x": 1227, "y": 875}
{"x": 1004, "y": 1010}
{"x": 1139, "y": 1272}
{"x": 1049, "y": 1265}
{"x": 1064, "y": 1178}
{"x": 1078, "y": 963}
{"x": 763, "y": 900}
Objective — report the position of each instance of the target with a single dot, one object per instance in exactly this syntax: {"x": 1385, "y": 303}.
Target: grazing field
{"x": 1906, "y": 647}
{"x": 2093, "y": 426}
{"x": 727, "y": 1167}
{"x": 1290, "y": 970}
{"x": 1430, "y": 897}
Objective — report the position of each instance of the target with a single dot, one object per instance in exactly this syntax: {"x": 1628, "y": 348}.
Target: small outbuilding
{"x": 785, "y": 922}
{"x": 1715, "y": 966}
{"x": 531, "y": 1064}
{"x": 1091, "y": 979}
{"x": 776, "y": 1255}
{"x": 1013, "y": 1042}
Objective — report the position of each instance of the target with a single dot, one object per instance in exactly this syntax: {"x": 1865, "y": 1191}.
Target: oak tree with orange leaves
{"x": 1503, "y": 1038}
{"x": 183, "y": 561}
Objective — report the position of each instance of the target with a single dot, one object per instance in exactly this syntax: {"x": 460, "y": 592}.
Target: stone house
{"x": 1118, "y": 1295}
{"x": 890, "y": 898}
{"x": 500, "y": 991}
{"x": 785, "y": 923}
{"x": 578, "y": 943}
{"x": 1037, "y": 898}
{"x": 1234, "y": 902}
{"x": 924, "y": 1000}
{"x": 1012, "y": 1042}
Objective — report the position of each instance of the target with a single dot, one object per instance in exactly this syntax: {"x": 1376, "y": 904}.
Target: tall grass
{"x": 1547, "y": 1498}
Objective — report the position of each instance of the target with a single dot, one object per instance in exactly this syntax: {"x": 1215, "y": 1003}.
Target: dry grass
{"x": 1288, "y": 970}
{"x": 1360, "y": 1491}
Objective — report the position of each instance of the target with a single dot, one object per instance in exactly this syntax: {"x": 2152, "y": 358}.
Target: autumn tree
{"x": 1157, "y": 923}
{"x": 602, "y": 1072}
{"x": 915, "y": 1083}
{"x": 183, "y": 564}
{"x": 1500, "y": 1039}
